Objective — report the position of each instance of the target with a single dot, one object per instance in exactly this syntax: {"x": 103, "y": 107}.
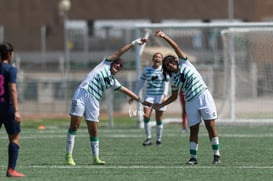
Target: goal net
{"x": 248, "y": 59}
{"x": 235, "y": 60}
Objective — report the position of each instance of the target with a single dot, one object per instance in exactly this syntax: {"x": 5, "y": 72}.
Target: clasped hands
{"x": 155, "y": 106}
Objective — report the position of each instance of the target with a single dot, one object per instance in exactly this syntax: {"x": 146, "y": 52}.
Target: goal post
{"x": 249, "y": 52}
{"x": 138, "y": 55}
{"x": 234, "y": 58}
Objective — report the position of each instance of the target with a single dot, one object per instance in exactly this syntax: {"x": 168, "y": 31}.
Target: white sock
{"x": 193, "y": 149}
{"x": 159, "y": 132}
{"x": 95, "y": 148}
{"x": 70, "y": 141}
{"x": 147, "y": 128}
{"x": 215, "y": 145}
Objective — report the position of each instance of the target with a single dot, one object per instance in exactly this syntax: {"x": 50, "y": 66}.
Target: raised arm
{"x": 173, "y": 44}
{"x": 125, "y": 48}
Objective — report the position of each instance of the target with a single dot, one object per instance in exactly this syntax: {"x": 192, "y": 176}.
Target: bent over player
{"x": 86, "y": 99}
{"x": 199, "y": 102}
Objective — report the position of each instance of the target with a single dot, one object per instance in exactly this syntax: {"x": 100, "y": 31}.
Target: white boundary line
{"x": 43, "y": 136}
{"x": 57, "y": 134}
{"x": 228, "y": 121}
{"x": 142, "y": 167}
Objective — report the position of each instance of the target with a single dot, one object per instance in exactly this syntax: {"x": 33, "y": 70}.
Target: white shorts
{"x": 202, "y": 107}
{"x": 155, "y": 99}
{"x": 83, "y": 104}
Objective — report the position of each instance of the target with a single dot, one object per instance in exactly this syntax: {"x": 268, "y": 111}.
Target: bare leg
{"x": 147, "y": 125}
{"x": 94, "y": 141}
{"x": 214, "y": 139}
{"x": 159, "y": 126}
{"x": 194, "y": 130}
{"x": 70, "y": 138}
{"x": 193, "y": 144}
{"x": 210, "y": 125}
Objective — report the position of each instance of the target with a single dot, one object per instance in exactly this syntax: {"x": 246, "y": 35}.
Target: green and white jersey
{"x": 188, "y": 79}
{"x": 155, "y": 83}
{"x": 100, "y": 79}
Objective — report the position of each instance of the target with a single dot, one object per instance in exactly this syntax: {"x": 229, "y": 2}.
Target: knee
{"x": 14, "y": 145}
{"x": 74, "y": 127}
{"x": 14, "y": 138}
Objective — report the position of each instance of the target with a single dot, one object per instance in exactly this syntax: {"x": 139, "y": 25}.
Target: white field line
{"x": 51, "y": 135}
{"x": 141, "y": 167}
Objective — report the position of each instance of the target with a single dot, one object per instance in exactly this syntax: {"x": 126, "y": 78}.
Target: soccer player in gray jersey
{"x": 156, "y": 90}
{"x": 199, "y": 102}
{"x": 86, "y": 98}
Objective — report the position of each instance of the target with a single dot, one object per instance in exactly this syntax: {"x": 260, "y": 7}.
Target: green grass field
{"x": 246, "y": 154}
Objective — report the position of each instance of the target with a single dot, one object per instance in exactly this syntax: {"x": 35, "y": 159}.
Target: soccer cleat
{"x": 216, "y": 159}
{"x": 147, "y": 142}
{"x": 13, "y": 173}
{"x": 97, "y": 161}
{"x": 69, "y": 159}
{"x": 192, "y": 161}
{"x": 158, "y": 143}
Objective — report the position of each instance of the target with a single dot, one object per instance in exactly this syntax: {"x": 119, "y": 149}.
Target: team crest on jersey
{"x": 182, "y": 77}
{"x": 107, "y": 80}
{"x": 154, "y": 77}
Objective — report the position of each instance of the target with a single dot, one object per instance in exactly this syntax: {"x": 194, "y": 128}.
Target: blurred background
{"x": 58, "y": 42}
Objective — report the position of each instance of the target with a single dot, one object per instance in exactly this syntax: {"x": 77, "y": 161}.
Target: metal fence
{"x": 46, "y": 84}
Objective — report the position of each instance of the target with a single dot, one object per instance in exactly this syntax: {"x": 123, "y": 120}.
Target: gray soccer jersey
{"x": 100, "y": 79}
{"x": 188, "y": 79}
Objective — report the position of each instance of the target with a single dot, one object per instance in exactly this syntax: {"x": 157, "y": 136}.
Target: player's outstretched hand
{"x": 131, "y": 100}
{"x": 139, "y": 41}
{"x": 160, "y": 34}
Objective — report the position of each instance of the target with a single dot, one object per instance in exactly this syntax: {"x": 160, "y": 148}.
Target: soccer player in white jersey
{"x": 86, "y": 98}
{"x": 156, "y": 90}
{"x": 199, "y": 102}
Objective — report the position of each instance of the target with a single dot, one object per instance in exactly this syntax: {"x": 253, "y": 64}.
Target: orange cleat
{"x": 14, "y": 173}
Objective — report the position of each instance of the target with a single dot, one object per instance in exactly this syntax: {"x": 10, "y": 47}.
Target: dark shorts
{"x": 8, "y": 120}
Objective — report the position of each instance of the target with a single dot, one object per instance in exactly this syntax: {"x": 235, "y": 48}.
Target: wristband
{"x": 136, "y": 41}
{"x": 140, "y": 100}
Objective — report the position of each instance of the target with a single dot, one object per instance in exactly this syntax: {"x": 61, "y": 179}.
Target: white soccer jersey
{"x": 100, "y": 79}
{"x": 188, "y": 79}
{"x": 155, "y": 83}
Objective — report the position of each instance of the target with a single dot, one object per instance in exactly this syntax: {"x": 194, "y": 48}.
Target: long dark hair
{"x": 5, "y": 49}
{"x": 165, "y": 70}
